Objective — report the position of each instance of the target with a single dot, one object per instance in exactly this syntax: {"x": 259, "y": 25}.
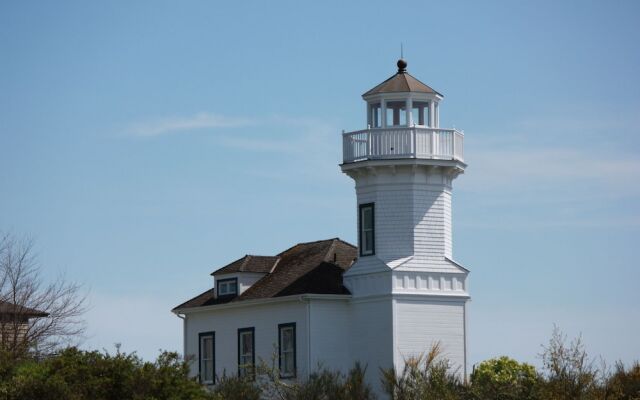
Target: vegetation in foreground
{"x": 567, "y": 374}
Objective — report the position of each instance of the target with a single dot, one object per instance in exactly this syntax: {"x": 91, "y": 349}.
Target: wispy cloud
{"x": 522, "y": 166}
{"x": 201, "y": 120}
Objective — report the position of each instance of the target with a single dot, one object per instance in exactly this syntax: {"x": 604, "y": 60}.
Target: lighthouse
{"x": 408, "y": 292}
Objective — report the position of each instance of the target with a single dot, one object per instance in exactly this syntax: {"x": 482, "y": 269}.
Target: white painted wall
{"x": 422, "y": 321}
{"x": 412, "y": 211}
{"x": 264, "y": 318}
{"x": 372, "y": 336}
{"x": 330, "y": 334}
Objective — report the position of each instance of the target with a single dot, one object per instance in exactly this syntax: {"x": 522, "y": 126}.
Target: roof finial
{"x": 402, "y": 64}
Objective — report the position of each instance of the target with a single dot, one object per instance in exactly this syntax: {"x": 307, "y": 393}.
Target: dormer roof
{"x": 402, "y": 81}
{"x": 249, "y": 263}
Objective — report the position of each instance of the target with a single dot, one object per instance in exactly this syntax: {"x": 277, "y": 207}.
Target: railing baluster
{"x": 413, "y": 142}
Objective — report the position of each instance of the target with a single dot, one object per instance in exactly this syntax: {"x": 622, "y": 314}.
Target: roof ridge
{"x": 306, "y": 243}
{"x": 246, "y": 257}
{"x": 330, "y": 250}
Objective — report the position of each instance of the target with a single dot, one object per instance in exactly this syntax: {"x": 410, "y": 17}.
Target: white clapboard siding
{"x": 372, "y": 337}
{"x": 264, "y": 318}
{"x": 419, "y": 324}
{"x": 412, "y": 212}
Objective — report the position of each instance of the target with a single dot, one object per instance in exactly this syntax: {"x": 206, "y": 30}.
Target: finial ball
{"x": 402, "y": 65}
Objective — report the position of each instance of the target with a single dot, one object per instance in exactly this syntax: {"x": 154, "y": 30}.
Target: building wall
{"x": 422, "y": 321}
{"x": 372, "y": 336}
{"x": 412, "y": 212}
{"x": 264, "y": 318}
{"x": 432, "y": 220}
{"x": 330, "y": 333}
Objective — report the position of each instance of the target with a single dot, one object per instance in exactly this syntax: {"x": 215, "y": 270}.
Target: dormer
{"x": 402, "y": 101}
{"x": 233, "y": 279}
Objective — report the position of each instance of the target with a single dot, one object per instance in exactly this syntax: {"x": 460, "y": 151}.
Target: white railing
{"x": 402, "y": 142}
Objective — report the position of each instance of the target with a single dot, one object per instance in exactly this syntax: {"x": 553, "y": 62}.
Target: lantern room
{"x": 402, "y": 100}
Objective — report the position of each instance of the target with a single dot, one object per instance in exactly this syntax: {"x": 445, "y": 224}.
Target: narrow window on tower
{"x": 367, "y": 233}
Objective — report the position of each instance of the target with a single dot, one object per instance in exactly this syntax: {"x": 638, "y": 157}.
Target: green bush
{"x": 567, "y": 373}
{"x": 78, "y": 375}
{"x": 504, "y": 379}
{"x": 330, "y": 385}
{"x": 236, "y": 388}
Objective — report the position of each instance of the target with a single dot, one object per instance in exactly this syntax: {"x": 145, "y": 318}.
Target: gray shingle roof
{"x": 7, "y": 308}
{"x": 249, "y": 263}
{"x": 402, "y": 81}
{"x": 313, "y": 267}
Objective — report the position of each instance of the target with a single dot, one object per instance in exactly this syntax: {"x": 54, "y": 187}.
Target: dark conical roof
{"x": 402, "y": 81}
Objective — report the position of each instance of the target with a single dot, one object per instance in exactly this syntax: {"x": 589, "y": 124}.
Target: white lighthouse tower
{"x": 408, "y": 292}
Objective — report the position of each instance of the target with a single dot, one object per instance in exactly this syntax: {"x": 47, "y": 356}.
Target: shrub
{"x": 423, "y": 377}
{"x": 331, "y": 385}
{"x": 323, "y": 384}
{"x": 570, "y": 373}
{"x": 504, "y": 379}
{"x": 78, "y": 375}
{"x": 625, "y": 384}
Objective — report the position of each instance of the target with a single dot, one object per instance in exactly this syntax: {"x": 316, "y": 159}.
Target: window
{"x": 227, "y": 287}
{"x": 396, "y": 113}
{"x": 367, "y": 235}
{"x": 420, "y": 113}
{"x": 287, "y": 350}
{"x": 206, "y": 356}
{"x": 246, "y": 352}
{"x": 376, "y": 116}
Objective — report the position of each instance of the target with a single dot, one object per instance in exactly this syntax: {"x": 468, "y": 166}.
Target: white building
{"x": 392, "y": 297}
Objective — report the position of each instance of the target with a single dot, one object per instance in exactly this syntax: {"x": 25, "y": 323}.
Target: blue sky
{"x": 145, "y": 144}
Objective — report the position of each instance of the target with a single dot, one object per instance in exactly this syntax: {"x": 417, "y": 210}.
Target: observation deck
{"x": 402, "y": 142}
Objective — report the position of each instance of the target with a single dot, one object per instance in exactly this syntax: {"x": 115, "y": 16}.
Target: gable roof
{"x": 7, "y": 308}
{"x": 306, "y": 268}
{"x": 249, "y": 263}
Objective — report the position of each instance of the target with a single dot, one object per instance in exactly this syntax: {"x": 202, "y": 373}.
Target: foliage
{"x": 504, "y": 379}
{"x": 78, "y": 375}
{"x": 570, "y": 373}
{"x": 236, "y": 388}
{"x": 322, "y": 384}
{"x": 423, "y": 377}
{"x": 625, "y": 384}
{"x": 328, "y": 385}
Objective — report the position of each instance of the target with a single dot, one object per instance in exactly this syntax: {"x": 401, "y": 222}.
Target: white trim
{"x": 274, "y": 265}
{"x": 445, "y": 298}
{"x": 269, "y": 300}
{"x": 457, "y": 264}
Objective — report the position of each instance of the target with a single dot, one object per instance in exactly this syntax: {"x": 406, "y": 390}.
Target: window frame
{"x": 253, "y": 351}
{"x": 361, "y": 249}
{"x": 226, "y": 280}
{"x": 202, "y": 335}
{"x": 295, "y": 350}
